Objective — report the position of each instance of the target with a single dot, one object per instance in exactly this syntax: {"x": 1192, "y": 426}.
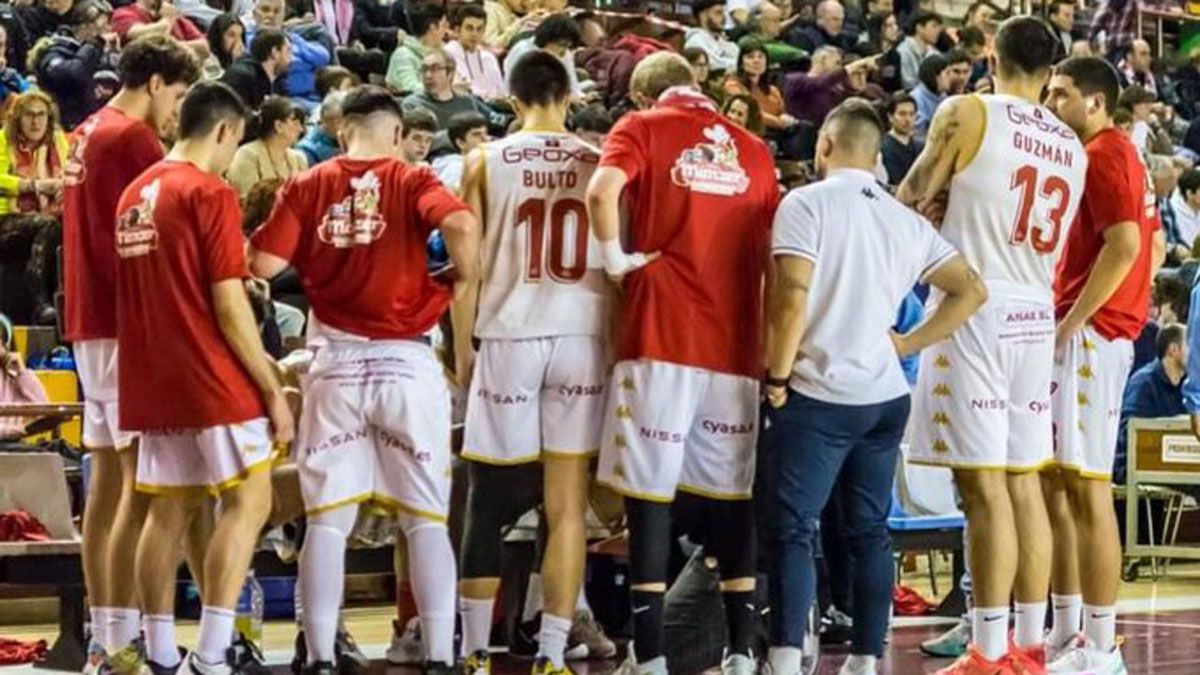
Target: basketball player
{"x": 109, "y": 150}
{"x": 1015, "y": 175}
{"x": 1102, "y": 300}
{"x": 194, "y": 377}
{"x": 683, "y": 409}
{"x": 538, "y": 386}
{"x": 376, "y": 421}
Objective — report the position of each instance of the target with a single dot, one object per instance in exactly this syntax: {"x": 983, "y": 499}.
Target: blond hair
{"x": 12, "y": 125}
{"x": 659, "y": 72}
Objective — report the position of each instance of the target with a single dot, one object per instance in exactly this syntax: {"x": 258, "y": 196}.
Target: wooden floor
{"x": 1159, "y": 620}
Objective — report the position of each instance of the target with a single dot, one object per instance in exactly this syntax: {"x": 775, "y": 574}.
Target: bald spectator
{"x": 810, "y": 96}
{"x": 766, "y": 24}
{"x": 923, "y": 31}
{"x": 1136, "y": 67}
{"x": 827, "y": 29}
{"x": 709, "y": 36}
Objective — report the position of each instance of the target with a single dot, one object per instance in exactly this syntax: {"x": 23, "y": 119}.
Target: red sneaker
{"x": 975, "y": 663}
{"x": 1027, "y": 660}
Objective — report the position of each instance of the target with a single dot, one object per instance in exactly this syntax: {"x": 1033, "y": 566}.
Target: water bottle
{"x": 249, "y": 618}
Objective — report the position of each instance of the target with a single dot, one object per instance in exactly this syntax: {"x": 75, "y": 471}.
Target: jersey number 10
{"x": 532, "y": 212}
{"x": 1053, "y": 188}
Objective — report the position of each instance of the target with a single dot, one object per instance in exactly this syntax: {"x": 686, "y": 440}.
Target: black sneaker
{"x": 299, "y": 653}
{"x": 156, "y": 669}
{"x": 439, "y": 668}
{"x": 525, "y": 639}
{"x": 245, "y": 658}
{"x": 319, "y": 668}
{"x": 350, "y": 658}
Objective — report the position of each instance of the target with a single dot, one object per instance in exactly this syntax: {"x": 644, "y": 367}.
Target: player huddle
{"x": 663, "y": 383}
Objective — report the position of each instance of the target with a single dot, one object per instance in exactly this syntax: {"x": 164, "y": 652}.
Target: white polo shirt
{"x": 868, "y": 251}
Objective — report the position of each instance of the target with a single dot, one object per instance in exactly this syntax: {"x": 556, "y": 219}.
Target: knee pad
{"x": 649, "y": 540}
{"x": 732, "y": 538}
{"x": 498, "y": 495}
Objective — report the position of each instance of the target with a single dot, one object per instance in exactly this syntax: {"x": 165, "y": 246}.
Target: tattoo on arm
{"x": 919, "y": 184}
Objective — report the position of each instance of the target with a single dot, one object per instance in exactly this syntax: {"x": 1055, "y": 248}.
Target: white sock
{"x": 533, "y": 597}
{"x": 1068, "y": 617}
{"x": 989, "y": 628}
{"x": 298, "y": 606}
{"x": 476, "y": 624}
{"x": 124, "y": 626}
{"x": 581, "y": 602}
{"x": 858, "y": 664}
{"x": 1029, "y": 623}
{"x": 100, "y": 626}
{"x": 322, "y": 580}
{"x": 160, "y": 639}
{"x": 216, "y": 634}
{"x": 784, "y": 660}
{"x": 1100, "y": 626}
{"x": 432, "y": 573}
{"x": 552, "y": 640}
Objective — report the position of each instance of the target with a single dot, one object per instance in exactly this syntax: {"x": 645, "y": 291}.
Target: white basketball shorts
{"x": 535, "y": 396}
{"x": 670, "y": 427}
{"x": 1089, "y": 383}
{"x": 376, "y": 428}
{"x": 96, "y": 365}
{"x": 983, "y": 395}
{"x": 195, "y": 462}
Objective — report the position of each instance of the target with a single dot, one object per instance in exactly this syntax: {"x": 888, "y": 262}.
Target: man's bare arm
{"x": 466, "y": 293}
{"x": 930, "y": 175}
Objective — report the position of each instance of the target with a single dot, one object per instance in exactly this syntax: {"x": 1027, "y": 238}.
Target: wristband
{"x": 775, "y": 381}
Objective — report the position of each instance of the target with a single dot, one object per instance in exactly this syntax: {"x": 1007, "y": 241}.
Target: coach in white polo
{"x": 845, "y": 254}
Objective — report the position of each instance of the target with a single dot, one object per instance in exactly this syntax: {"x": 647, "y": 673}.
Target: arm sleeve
{"x": 1116, "y": 201}
{"x": 402, "y": 73}
{"x": 279, "y": 235}
{"x": 434, "y": 202}
{"x": 224, "y": 251}
{"x": 797, "y": 229}
{"x": 29, "y": 388}
{"x": 1191, "y": 382}
{"x": 624, "y": 148}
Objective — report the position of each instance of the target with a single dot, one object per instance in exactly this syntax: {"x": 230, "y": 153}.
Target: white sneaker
{"x": 406, "y": 648}
{"x": 630, "y": 666}
{"x": 951, "y": 644}
{"x": 1054, "y": 651}
{"x": 858, "y": 665}
{"x": 738, "y": 664}
{"x": 1084, "y": 659}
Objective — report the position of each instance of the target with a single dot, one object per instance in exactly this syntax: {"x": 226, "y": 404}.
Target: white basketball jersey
{"x": 1010, "y": 208}
{"x": 542, "y": 274}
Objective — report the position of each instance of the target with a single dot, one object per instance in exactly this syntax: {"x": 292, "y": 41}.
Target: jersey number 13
{"x": 1056, "y": 191}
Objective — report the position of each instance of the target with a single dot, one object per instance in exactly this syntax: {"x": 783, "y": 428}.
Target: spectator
{"x": 1155, "y": 390}
{"x": 1062, "y": 17}
{"x": 203, "y": 14}
{"x": 810, "y": 96}
{"x": 766, "y": 24}
{"x": 709, "y": 37}
{"x": 18, "y": 384}
{"x": 698, "y": 59}
{"x": 1187, "y": 86}
{"x": 883, "y": 38}
{"x": 923, "y": 33}
{"x": 900, "y": 147}
{"x": 335, "y": 78}
{"x": 743, "y": 111}
{"x": 982, "y": 15}
{"x": 256, "y": 75}
{"x": 428, "y": 23}
{"x": 11, "y": 81}
{"x": 437, "y": 93}
{"x": 420, "y": 127}
{"x": 1185, "y": 205}
{"x": 308, "y": 55}
{"x": 1113, "y": 27}
{"x": 67, "y": 64}
{"x": 158, "y": 17}
{"x": 592, "y": 124}
{"x": 752, "y": 80}
{"x": 505, "y": 22}
{"x": 467, "y": 131}
{"x": 558, "y": 34}
{"x": 930, "y": 92}
{"x": 37, "y": 20}
{"x": 474, "y": 65}
{"x": 1140, "y": 103}
{"x": 738, "y": 13}
{"x": 33, "y": 152}
{"x": 378, "y": 25}
{"x": 1136, "y": 68}
{"x": 226, "y": 44}
{"x": 280, "y": 123}
{"x": 321, "y": 141}
{"x": 827, "y": 30}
